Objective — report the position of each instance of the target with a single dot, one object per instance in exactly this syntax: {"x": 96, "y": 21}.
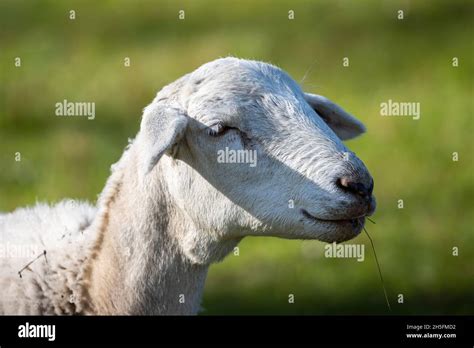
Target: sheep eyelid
{"x": 219, "y": 129}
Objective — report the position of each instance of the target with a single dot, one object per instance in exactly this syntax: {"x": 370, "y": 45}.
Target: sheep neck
{"x": 138, "y": 267}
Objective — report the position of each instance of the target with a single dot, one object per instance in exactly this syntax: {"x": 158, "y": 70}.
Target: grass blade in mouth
{"x": 372, "y": 221}
{"x": 380, "y": 272}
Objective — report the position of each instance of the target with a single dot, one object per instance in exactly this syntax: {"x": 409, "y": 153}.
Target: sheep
{"x": 169, "y": 209}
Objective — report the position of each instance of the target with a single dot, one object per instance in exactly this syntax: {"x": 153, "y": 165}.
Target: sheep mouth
{"x": 355, "y": 222}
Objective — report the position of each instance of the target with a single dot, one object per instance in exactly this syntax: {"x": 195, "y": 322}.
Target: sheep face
{"x": 249, "y": 153}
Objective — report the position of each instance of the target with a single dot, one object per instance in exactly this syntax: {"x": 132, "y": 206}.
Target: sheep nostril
{"x": 350, "y": 185}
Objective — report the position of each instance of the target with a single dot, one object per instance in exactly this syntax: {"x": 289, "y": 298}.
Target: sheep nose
{"x": 359, "y": 188}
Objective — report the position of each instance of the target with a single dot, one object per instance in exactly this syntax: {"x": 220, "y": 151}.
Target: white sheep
{"x": 170, "y": 209}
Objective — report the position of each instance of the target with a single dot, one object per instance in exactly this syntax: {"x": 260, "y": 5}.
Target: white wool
{"x": 61, "y": 231}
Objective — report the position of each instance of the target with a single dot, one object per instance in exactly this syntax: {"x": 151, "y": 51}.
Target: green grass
{"x": 407, "y": 60}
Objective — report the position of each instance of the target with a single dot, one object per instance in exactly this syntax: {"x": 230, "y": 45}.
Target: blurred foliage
{"x": 402, "y": 60}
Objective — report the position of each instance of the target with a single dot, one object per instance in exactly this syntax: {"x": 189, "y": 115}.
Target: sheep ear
{"x": 342, "y": 123}
{"x": 163, "y": 127}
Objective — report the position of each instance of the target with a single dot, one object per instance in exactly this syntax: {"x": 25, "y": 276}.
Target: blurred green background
{"x": 403, "y": 60}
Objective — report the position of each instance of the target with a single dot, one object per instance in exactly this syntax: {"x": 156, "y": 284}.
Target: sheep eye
{"x": 217, "y": 130}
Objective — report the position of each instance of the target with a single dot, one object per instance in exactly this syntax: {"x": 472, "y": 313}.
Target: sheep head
{"x": 244, "y": 151}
